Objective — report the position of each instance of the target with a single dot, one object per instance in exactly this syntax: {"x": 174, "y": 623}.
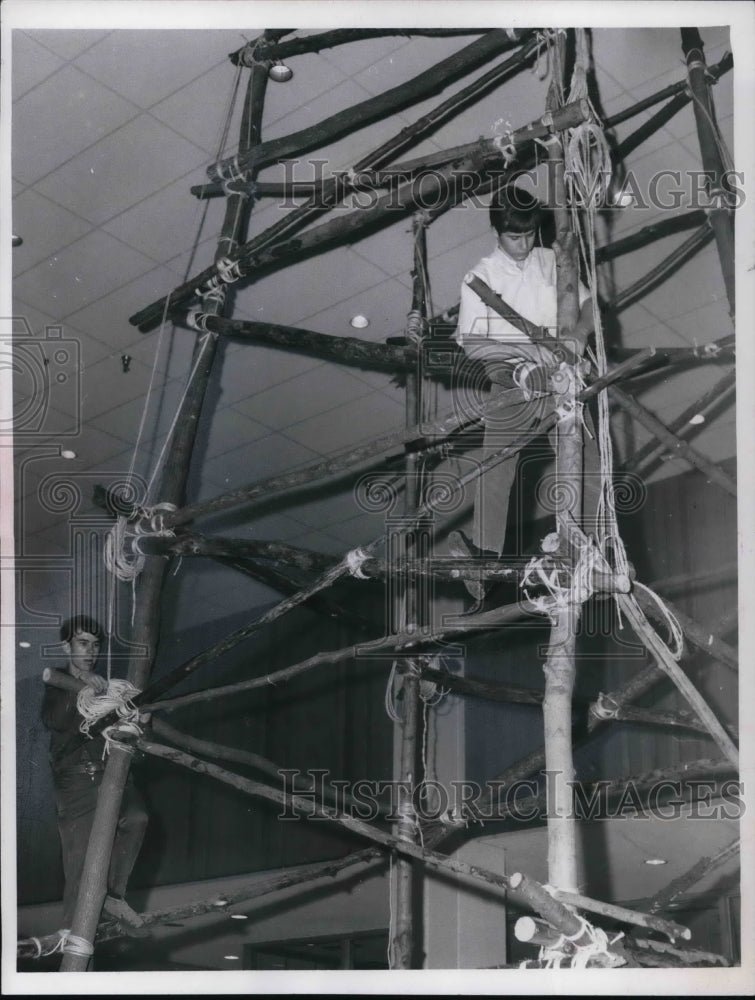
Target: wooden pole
{"x": 343, "y": 350}
{"x": 667, "y": 663}
{"x": 647, "y": 455}
{"x": 721, "y": 218}
{"x": 716, "y": 72}
{"x": 93, "y": 884}
{"x": 470, "y": 159}
{"x": 700, "y": 238}
{"x": 342, "y": 568}
{"x": 684, "y": 882}
{"x": 340, "y": 36}
{"x": 391, "y": 101}
{"x": 560, "y": 669}
{"x": 668, "y": 927}
{"x": 703, "y": 638}
{"x": 410, "y": 618}
{"x": 675, "y": 444}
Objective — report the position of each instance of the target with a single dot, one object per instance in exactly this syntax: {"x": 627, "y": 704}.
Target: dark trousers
{"x": 494, "y": 486}
{"x": 76, "y": 800}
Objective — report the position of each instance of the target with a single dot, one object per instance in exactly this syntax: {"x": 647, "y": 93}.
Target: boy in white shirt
{"x": 524, "y": 276}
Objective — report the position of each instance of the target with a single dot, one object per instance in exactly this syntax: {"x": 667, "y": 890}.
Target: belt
{"x": 91, "y": 769}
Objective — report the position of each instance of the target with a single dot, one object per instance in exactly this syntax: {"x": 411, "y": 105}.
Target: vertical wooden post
{"x": 402, "y": 944}
{"x": 93, "y": 885}
{"x": 721, "y": 219}
{"x": 560, "y": 664}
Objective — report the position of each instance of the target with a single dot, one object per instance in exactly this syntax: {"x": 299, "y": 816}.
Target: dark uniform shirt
{"x": 61, "y": 717}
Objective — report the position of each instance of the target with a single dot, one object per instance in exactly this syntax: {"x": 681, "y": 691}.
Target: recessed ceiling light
{"x": 656, "y": 861}
{"x": 697, "y": 419}
{"x": 68, "y": 453}
{"x": 359, "y": 322}
{"x": 24, "y": 644}
{"x": 239, "y": 916}
{"x": 624, "y": 200}
{"x": 231, "y": 958}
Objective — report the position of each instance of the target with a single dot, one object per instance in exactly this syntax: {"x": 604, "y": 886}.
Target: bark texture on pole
{"x": 145, "y": 631}
{"x": 560, "y": 664}
{"x": 402, "y": 944}
{"x": 721, "y": 219}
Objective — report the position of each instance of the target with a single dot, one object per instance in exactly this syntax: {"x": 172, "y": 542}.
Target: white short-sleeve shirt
{"x": 529, "y": 289}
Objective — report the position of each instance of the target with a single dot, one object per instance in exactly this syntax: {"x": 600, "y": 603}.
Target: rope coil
{"x": 92, "y": 706}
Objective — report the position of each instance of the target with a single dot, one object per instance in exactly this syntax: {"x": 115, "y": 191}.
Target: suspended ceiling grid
{"x": 109, "y": 225}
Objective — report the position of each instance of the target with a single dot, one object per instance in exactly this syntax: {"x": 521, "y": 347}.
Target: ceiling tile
{"x": 312, "y": 108}
{"x": 360, "y": 420}
{"x": 143, "y": 155}
{"x": 53, "y": 228}
{"x": 106, "y": 386}
{"x": 636, "y": 55}
{"x": 399, "y": 67}
{"x": 68, "y": 43}
{"x": 190, "y": 220}
{"x": 315, "y": 79}
{"x": 73, "y": 108}
{"x": 704, "y": 323}
{"x": 80, "y": 273}
{"x": 248, "y": 368}
{"x": 32, "y": 63}
{"x": 257, "y": 460}
{"x": 147, "y": 66}
{"x": 318, "y": 390}
{"x": 213, "y": 89}
{"x": 124, "y": 420}
{"x": 230, "y": 429}
{"x": 107, "y": 317}
{"x": 356, "y": 56}
{"x": 385, "y": 305}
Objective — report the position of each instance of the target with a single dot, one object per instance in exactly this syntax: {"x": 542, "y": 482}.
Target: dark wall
{"x": 332, "y": 717}
{"x": 683, "y": 526}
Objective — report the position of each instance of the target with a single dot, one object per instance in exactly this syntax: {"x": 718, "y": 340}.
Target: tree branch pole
{"x": 647, "y": 455}
{"x": 145, "y": 630}
{"x": 721, "y": 219}
{"x": 410, "y": 618}
{"x": 667, "y": 663}
{"x": 706, "y": 640}
{"x": 683, "y": 883}
{"x": 359, "y": 116}
{"x": 468, "y": 163}
{"x": 560, "y": 668}
{"x": 297, "y": 804}
{"x": 339, "y": 36}
{"x": 684, "y": 252}
{"x": 675, "y": 444}
{"x": 256, "y": 889}
{"x": 342, "y": 568}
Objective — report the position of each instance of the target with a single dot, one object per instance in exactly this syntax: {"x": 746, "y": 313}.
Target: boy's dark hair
{"x": 80, "y": 623}
{"x": 513, "y": 210}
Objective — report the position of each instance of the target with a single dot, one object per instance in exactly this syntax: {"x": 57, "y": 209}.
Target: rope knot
{"x": 355, "y": 559}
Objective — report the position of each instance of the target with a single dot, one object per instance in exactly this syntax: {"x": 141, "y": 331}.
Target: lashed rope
{"x": 92, "y": 706}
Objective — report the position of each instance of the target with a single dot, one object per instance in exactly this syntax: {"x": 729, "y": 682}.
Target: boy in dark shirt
{"x": 77, "y": 778}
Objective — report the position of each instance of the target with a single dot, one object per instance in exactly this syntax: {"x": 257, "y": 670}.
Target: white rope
{"x": 676, "y": 634}
{"x": 72, "y": 944}
{"x": 355, "y": 559}
{"x": 118, "y": 698}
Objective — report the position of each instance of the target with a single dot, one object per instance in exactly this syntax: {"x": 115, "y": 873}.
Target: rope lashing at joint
{"x": 555, "y": 957}
{"x": 118, "y": 698}
{"x": 123, "y": 556}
